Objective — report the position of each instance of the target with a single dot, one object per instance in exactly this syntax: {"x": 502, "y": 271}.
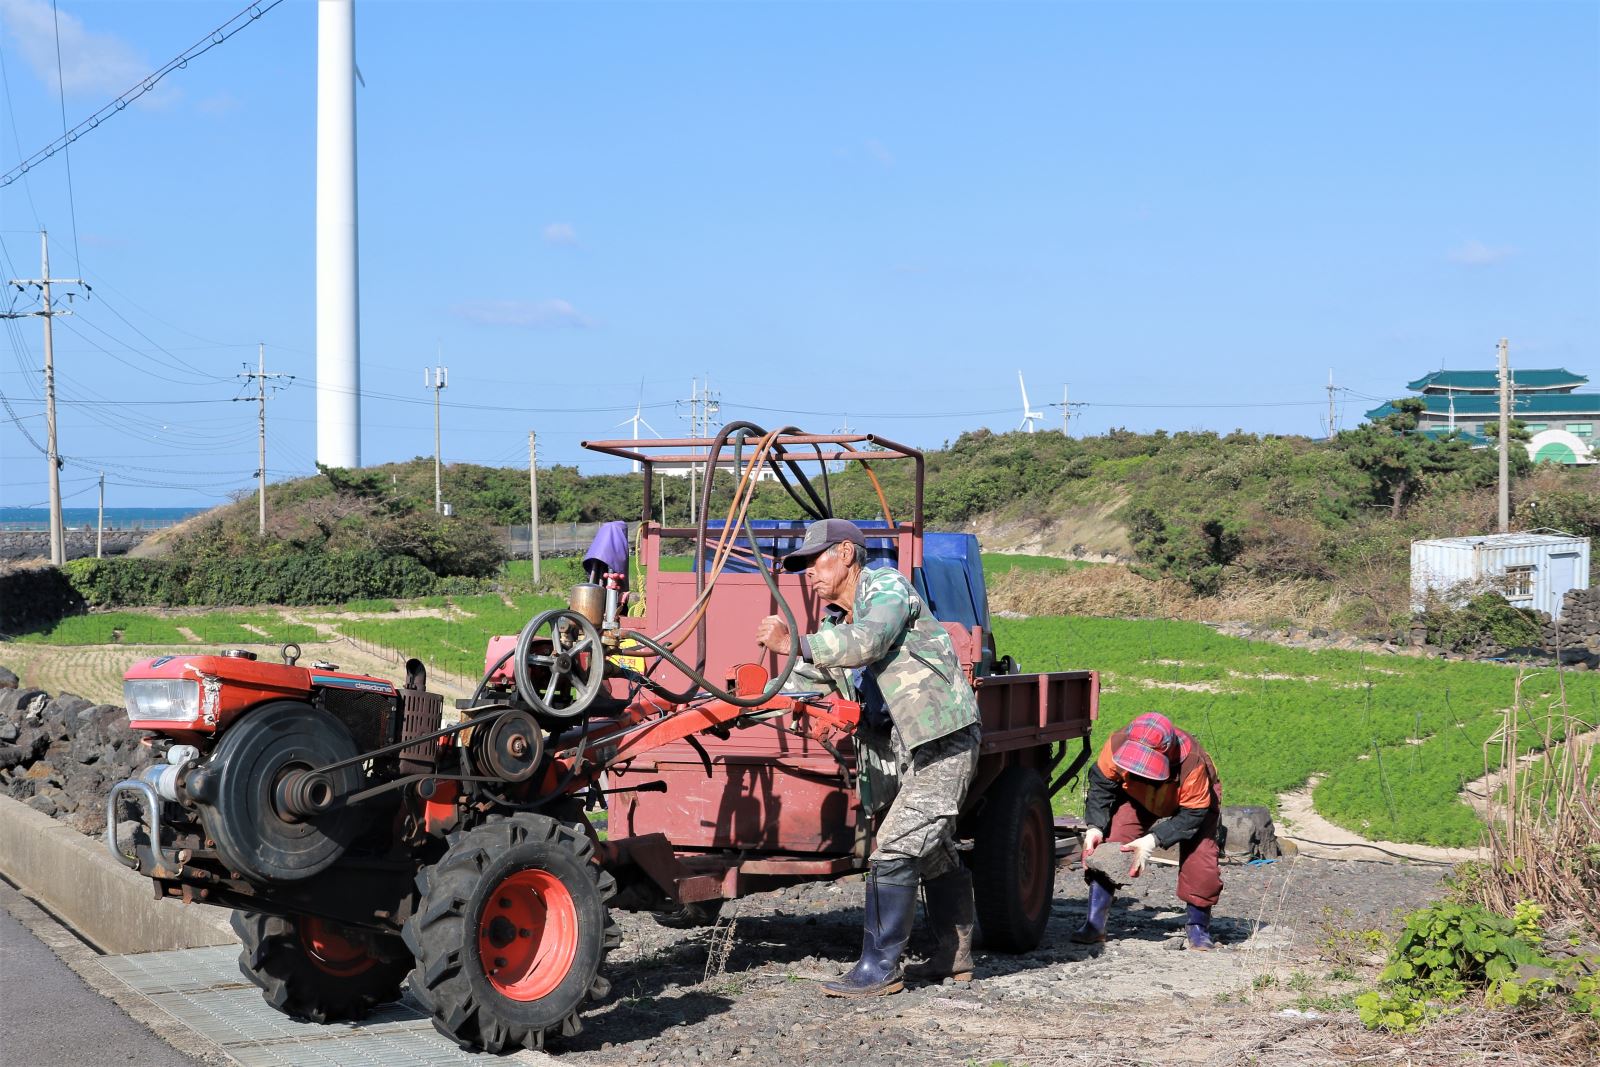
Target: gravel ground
{"x": 745, "y": 991}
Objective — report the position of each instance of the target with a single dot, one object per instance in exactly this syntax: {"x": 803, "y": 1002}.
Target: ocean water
{"x": 79, "y": 518}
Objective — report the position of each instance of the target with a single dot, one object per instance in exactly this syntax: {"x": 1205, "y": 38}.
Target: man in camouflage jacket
{"x": 880, "y": 644}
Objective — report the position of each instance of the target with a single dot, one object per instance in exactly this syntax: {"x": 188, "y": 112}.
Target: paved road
{"x": 52, "y": 1019}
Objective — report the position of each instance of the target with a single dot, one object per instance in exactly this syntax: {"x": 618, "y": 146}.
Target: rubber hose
{"x": 694, "y": 675}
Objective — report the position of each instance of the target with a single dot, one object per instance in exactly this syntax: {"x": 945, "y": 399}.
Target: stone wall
{"x": 1579, "y": 625}
{"x": 61, "y": 755}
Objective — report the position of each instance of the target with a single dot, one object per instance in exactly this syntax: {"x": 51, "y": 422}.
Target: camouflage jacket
{"x": 904, "y": 649}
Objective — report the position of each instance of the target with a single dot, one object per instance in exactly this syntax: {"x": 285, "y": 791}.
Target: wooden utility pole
{"x": 100, "y": 522}
{"x": 533, "y": 503}
{"x": 58, "y": 541}
{"x": 1505, "y": 438}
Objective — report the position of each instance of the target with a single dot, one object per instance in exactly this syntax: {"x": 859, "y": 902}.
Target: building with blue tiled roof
{"x": 1561, "y": 420}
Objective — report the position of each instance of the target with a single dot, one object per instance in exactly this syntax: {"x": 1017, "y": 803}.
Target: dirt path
{"x": 1138, "y": 999}
{"x": 1317, "y": 837}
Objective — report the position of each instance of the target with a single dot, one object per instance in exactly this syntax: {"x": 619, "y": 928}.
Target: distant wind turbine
{"x": 637, "y": 420}
{"x": 1029, "y": 416}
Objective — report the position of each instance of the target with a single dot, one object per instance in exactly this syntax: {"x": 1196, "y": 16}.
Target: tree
{"x": 1398, "y": 458}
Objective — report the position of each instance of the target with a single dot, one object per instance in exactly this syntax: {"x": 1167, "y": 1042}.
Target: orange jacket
{"x": 1193, "y": 785}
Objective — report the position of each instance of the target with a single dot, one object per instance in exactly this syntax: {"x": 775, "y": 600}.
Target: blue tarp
{"x": 950, "y": 579}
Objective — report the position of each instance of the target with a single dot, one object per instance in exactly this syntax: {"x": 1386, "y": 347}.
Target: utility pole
{"x": 1331, "y": 414}
{"x": 58, "y": 553}
{"x": 1066, "y": 413}
{"x": 260, "y": 375}
{"x": 436, "y": 379}
{"x": 1505, "y": 438}
{"x": 533, "y": 503}
{"x": 100, "y": 521}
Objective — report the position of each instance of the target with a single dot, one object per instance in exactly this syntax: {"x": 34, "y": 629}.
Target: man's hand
{"x": 1091, "y": 841}
{"x": 774, "y": 634}
{"x": 1141, "y": 849}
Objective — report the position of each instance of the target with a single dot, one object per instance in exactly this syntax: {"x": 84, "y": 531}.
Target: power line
{"x": 66, "y": 150}
{"x": 199, "y": 48}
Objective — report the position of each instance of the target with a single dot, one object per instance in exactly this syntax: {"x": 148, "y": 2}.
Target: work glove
{"x": 1091, "y": 841}
{"x": 1141, "y": 848}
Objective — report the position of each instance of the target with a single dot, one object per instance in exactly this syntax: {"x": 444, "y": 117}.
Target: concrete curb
{"x": 111, "y": 906}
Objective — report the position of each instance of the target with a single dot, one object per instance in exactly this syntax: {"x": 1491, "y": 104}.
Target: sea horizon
{"x": 25, "y": 520}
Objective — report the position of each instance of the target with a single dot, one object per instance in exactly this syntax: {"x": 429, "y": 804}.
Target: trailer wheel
{"x": 1013, "y": 861}
{"x": 314, "y": 969}
{"x": 510, "y": 933}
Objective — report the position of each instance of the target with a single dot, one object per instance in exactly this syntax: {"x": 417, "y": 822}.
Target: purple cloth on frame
{"x": 610, "y": 547}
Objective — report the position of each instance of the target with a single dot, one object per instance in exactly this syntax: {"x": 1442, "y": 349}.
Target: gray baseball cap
{"x": 821, "y": 536}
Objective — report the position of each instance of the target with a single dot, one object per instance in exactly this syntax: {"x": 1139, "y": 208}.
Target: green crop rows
{"x": 138, "y": 628}
{"x": 1396, "y": 737}
{"x": 454, "y": 642}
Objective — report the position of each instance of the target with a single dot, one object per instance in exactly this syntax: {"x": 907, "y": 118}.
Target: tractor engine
{"x": 261, "y": 765}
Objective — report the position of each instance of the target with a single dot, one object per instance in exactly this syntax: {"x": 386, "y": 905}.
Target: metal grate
{"x": 368, "y": 716}
{"x": 203, "y": 990}
{"x": 424, "y": 714}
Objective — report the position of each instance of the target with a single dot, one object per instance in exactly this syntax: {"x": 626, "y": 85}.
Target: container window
{"x": 1532, "y": 427}
{"x": 1582, "y": 429}
{"x": 1519, "y": 581}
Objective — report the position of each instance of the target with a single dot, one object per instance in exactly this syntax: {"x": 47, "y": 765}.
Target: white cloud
{"x": 560, "y": 233}
{"x": 1478, "y": 254}
{"x": 551, "y": 314}
{"x": 97, "y": 63}
{"x": 876, "y": 150}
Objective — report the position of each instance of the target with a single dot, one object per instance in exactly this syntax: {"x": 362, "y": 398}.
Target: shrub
{"x": 1486, "y": 618}
{"x": 291, "y": 578}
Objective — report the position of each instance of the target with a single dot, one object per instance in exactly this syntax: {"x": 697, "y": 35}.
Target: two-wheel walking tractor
{"x": 361, "y": 839}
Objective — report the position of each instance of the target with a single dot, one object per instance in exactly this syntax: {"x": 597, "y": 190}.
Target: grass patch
{"x": 369, "y": 607}
{"x": 454, "y": 645}
{"x": 256, "y": 628}
{"x": 1397, "y": 738}
{"x": 108, "y": 628}
{"x": 998, "y": 563}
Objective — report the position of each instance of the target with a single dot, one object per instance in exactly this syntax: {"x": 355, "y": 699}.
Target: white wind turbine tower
{"x": 1029, "y": 416}
{"x": 637, "y": 420}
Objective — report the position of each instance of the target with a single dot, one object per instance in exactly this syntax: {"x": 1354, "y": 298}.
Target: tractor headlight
{"x": 162, "y": 699}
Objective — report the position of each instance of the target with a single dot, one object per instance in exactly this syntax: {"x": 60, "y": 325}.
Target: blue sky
{"x": 1189, "y": 212}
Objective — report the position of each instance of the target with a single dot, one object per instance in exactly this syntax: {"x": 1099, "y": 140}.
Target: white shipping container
{"x": 1532, "y": 570}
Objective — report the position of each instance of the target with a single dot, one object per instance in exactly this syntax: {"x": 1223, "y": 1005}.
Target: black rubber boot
{"x": 890, "y": 909}
{"x": 952, "y": 915}
{"x": 1093, "y": 929}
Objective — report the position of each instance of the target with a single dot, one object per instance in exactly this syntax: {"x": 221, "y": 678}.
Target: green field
{"x": 1396, "y": 737}
{"x": 141, "y": 628}
{"x": 998, "y": 563}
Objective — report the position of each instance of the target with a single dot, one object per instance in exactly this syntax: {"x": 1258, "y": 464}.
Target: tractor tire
{"x": 1013, "y": 861}
{"x": 315, "y": 969}
{"x": 693, "y": 916}
{"x": 510, "y": 933}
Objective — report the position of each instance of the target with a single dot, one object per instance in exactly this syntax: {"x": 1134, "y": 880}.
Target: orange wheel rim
{"x": 1034, "y": 862}
{"x": 330, "y": 951}
{"x": 528, "y": 935}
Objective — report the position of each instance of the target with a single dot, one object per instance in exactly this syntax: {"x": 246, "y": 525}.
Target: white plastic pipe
{"x": 338, "y": 301}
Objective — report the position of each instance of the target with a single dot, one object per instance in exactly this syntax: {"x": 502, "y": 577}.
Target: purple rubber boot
{"x": 1199, "y": 929}
{"x": 1093, "y": 930}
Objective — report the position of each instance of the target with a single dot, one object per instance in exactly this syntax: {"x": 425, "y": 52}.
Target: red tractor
{"x": 360, "y": 839}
